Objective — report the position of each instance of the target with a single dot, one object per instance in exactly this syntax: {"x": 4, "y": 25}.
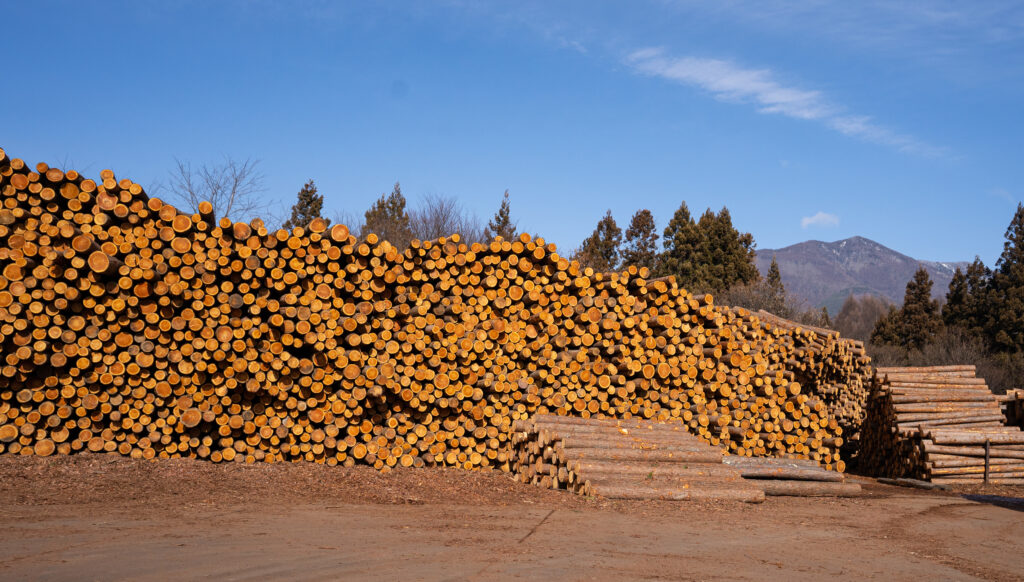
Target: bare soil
{"x": 99, "y": 517}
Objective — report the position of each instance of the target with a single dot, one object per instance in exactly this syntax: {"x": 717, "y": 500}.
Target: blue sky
{"x": 901, "y": 122}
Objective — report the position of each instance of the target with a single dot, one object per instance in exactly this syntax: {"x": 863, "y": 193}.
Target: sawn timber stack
{"x": 129, "y": 326}
{"x": 642, "y": 459}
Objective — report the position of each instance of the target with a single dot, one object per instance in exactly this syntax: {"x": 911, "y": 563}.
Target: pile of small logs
{"x": 642, "y": 459}
{"x": 939, "y": 423}
{"x": 129, "y": 326}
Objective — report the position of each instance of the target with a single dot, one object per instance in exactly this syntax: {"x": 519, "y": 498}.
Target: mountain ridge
{"x": 825, "y": 273}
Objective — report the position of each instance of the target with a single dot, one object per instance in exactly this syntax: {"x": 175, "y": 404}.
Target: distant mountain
{"x": 824, "y": 274}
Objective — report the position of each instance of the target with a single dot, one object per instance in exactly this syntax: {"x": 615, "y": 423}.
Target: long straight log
{"x": 1004, "y": 471}
{"x": 1004, "y": 451}
{"x": 707, "y": 492}
{"x": 655, "y": 456}
{"x": 907, "y": 398}
{"x": 940, "y": 437}
{"x": 809, "y": 488}
{"x": 977, "y": 480}
{"x": 790, "y": 473}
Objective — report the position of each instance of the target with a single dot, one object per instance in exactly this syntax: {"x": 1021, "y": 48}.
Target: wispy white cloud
{"x": 730, "y": 82}
{"x": 820, "y": 219}
{"x": 1003, "y": 194}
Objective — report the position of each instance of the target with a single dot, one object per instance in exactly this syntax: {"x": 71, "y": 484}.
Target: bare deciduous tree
{"x": 440, "y": 216}
{"x": 858, "y": 315}
{"x": 232, "y": 187}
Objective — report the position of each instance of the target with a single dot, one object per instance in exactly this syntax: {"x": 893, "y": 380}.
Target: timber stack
{"x": 941, "y": 424}
{"x": 129, "y": 326}
{"x": 643, "y": 459}
{"x": 836, "y": 370}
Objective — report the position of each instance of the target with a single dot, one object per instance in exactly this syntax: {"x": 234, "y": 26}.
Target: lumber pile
{"x": 941, "y": 424}
{"x": 130, "y": 326}
{"x": 641, "y": 459}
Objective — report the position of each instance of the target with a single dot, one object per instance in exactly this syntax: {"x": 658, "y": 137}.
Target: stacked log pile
{"x": 941, "y": 424}
{"x": 835, "y": 369}
{"x": 129, "y": 326}
{"x": 642, "y": 459}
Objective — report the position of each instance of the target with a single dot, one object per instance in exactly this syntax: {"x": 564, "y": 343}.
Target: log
{"x": 915, "y": 483}
{"x": 633, "y": 455}
{"x": 790, "y": 473}
{"x": 711, "y": 492}
{"x": 940, "y": 437}
{"x": 809, "y": 489}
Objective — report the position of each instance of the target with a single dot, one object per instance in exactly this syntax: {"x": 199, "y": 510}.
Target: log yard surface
{"x": 99, "y": 516}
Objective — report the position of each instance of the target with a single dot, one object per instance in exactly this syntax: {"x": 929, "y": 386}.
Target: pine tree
{"x": 954, "y": 311}
{"x": 774, "y": 290}
{"x": 774, "y": 279}
{"x": 826, "y": 321}
{"x": 888, "y": 329}
{"x": 501, "y": 225}
{"x": 979, "y": 298}
{"x": 707, "y": 255}
{"x": 728, "y": 256}
{"x": 306, "y": 208}
{"x": 600, "y": 251}
{"x": 916, "y": 323}
{"x": 1006, "y": 312}
{"x": 388, "y": 219}
{"x": 683, "y": 248}
{"x": 921, "y": 317}
{"x": 737, "y": 250}
{"x": 641, "y": 248}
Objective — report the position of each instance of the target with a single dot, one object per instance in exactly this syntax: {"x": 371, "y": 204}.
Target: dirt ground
{"x": 98, "y": 517}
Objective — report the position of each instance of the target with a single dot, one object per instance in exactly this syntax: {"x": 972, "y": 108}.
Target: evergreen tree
{"x": 954, "y": 311}
{"x": 306, "y": 208}
{"x": 388, "y": 219}
{"x": 728, "y": 256}
{"x": 774, "y": 279}
{"x": 683, "y": 247}
{"x": 888, "y": 329}
{"x": 916, "y": 323}
{"x": 921, "y": 318}
{"x": 501, "y": 225}
{"x": 600, "y": 251}
{"x": 641, "y": 241}
{"x": 1006, "y": 313}
{"x": 979, "y": 298}
{"x": 708, "y": 255}
{"x": 736, "y": 250}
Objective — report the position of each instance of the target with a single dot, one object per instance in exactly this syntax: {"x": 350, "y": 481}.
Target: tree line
{"x": 234, "y": 189}
{"x": 705, "y": 255}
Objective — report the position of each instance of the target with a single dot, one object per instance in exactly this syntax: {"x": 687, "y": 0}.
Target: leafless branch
{"x": 232, "y": 187}
{"x": 440, "y": 216}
